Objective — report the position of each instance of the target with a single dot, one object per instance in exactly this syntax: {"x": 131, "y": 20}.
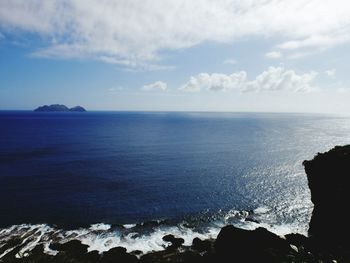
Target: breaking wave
{"x": 139, "y": 238}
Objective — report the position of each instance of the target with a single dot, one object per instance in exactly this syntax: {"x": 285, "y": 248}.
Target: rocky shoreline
{"x": 327, "y": 242}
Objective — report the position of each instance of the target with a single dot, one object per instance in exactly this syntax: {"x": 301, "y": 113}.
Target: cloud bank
{"x": 132, "y": 32}
{"x": 272, "y": 79}
{"x": 156, "y": 86}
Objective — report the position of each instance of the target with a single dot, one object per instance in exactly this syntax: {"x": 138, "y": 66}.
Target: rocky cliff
{"x": 328, "y": 176}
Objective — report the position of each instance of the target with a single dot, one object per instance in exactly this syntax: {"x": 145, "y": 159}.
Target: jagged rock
{"x": 175, "y": 242}
{"x": 172, "y": 256}
{"x": 118, "y": 254}
{"x": 260, "y": 245}
{"x": 73, "y": 247}
{"x": 201, "y": 245}
{"x": 297, "y": 240}
{"x": 74, "y": 251}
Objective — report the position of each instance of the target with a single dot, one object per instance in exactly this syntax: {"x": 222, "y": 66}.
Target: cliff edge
{"x": 328, "y": 176}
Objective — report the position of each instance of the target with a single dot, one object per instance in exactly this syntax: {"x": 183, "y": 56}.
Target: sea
{"x": 127, "y": 179}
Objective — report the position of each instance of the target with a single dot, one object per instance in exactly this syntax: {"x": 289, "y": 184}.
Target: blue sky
{"x": 201, "y": 55}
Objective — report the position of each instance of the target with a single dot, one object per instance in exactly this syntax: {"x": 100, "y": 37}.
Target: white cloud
{"x": 215, "y": 82}
{"x": 331, "y": 72}
{"x": 156, "y": 86}
{"x": 134, "y": 65}
{"x": 323, "y": 41}
{"x": 301, "y": 54}
{"x": 314, "y": 44}
{"x": 274, "y": 54}
{"x": 230, "y": 61}
{"x": 273, "y": 79}
{"x": 137, "y": 31}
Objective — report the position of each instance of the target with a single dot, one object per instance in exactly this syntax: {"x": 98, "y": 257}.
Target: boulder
{"x": 259, "y": 245}
{"x": 201, "y": 245}
{"x": 118, "y": 254}
{"x": 175, "y": 242}
{"x": 172, "y": 256}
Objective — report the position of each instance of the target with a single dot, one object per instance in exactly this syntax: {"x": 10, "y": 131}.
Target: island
{"x": 59, "y": 107}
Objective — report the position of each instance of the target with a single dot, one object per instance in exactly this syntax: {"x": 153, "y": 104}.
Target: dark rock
{"x": 13, "y": 242}
{"x": 71, "y": 249}
{"x": 118, "y": 254}
{"x": 93, "y": 256}
{"x": 136, "y": 252}
{"x": 70, "y": 246}
{"x": 175, "y": 242}
{"x": 297, "y": 240}
{"x": 172, "y": 256}
{"x": 58, "y": 107}
{"x": 242, "y": 245}
{"x": 201, "y": 245}
{"x": 38, "y": 255}
{"x": 328, "y": 176}
{"x": 190, "y": 257}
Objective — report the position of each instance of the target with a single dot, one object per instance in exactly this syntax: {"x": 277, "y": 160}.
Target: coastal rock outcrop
{"x": 175, "y": 241}
{"x": 258, "y": 245}
{"x": 328, "y": 176}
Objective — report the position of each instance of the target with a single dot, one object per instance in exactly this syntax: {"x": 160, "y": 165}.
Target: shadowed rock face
{"x": 328, "y": 175}
{"x": 259, "y": 245}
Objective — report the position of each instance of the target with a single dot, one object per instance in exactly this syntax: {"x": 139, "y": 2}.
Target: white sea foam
{"x": 33, "y": 235}
{"x": 145, "y": 238}
{"x": 101, "y": 227}
{"x": 7, "y": 251}
{"x": 100, "y": 242}
{"x": 127, "y": 226}
{"x": 48, "y": 250}
{"x": 134, "y": 241}
{"x": 262, "y": 210}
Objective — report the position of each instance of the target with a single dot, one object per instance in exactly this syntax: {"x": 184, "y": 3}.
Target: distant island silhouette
{"x": 59, "y": 107}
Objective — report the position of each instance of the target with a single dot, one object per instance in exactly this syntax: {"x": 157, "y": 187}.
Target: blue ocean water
{"x": 71, "y": 170}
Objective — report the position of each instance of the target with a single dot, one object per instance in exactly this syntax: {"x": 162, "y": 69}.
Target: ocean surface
{"x": 128, "y": 178}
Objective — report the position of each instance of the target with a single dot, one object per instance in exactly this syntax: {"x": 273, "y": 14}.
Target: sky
{"x": 176, "y": 55}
